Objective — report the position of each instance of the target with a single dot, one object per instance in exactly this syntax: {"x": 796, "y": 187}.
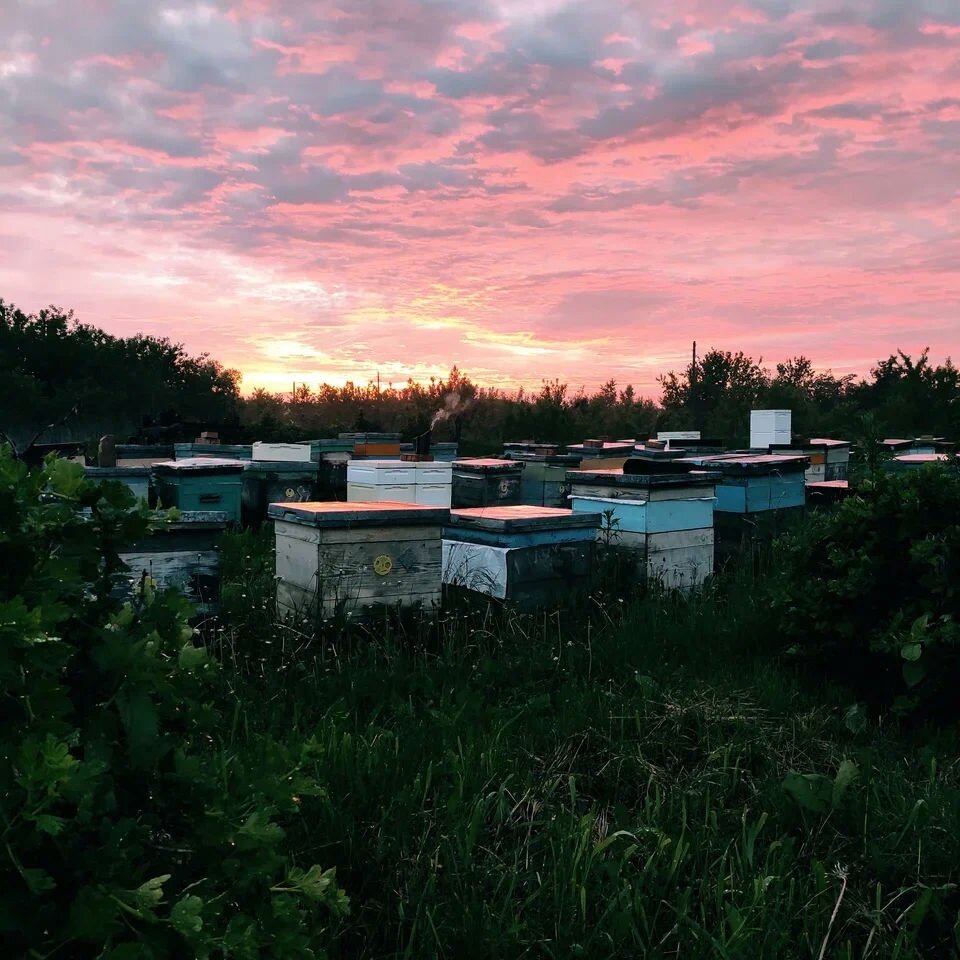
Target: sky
{"x": 321, "y": 190}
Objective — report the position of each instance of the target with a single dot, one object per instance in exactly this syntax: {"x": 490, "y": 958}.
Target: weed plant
{"x": 637, "y": 778}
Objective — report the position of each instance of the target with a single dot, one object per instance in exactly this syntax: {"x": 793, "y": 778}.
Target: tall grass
{"x": 606, "y": 783}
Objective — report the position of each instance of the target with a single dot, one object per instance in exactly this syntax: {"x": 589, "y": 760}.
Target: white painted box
{"x": 435, "y": 472}
{"x": 286, "y": 452}
{"x": 434, "y": 494}
{"x": 381, "y": 492}
{"x": 381, "y": 472}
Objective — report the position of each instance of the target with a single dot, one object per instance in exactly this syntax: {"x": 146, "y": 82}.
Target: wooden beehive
{"x": 136, "y": 479}
{"x": 529, "y": 556}
{"x": 201, "y": 483}
{"x": 487, "y": 482}
{"x": 351, "y": 557}
{"x": 266, "y": 482}
{"x": 662, "y": 521}
{"x": 544, "y": 481}
{"x": 181, "y": 554}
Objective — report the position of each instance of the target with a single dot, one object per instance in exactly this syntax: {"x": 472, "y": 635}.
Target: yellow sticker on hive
{"x": 290, "y": 493}
{"x": 382, "y": 565}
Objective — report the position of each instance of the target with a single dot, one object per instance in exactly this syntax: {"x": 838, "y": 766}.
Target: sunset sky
{"x": 527, "y": 188}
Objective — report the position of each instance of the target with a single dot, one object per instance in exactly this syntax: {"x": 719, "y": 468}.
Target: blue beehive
{"x": 758, "y": 483}
{"x": 136, "y": 479}
{"x": 201, "y": 484}
{"x": 219, "y": 451}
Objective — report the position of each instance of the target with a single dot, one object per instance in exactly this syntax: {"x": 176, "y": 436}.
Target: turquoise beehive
{"x": 201, "y": 484}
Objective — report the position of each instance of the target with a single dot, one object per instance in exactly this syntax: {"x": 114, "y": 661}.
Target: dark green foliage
{"x": 635, "y": 779}
{"x": 55, "y": 369}
{"x": 140, "y": 818}
{"x": 871, "y": 592}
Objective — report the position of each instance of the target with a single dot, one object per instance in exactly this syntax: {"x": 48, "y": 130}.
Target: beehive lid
{"x": 375, "y": 514}
{"x": 521, "y": 519}
{"x": 610, "y": 447}
{"x": 823, "y": 442}
{"x": 488, "y": 465}
{"x": 551, "y": 459}
{"x": 828, "y": 484}
{"x": 922, "y": 458}
{"x": 282, "y": 466}
{"x": 115, "y": 473}
{"x": 201, "y": 465}
{"x": 754, "y": 464}
{"x": 617, "y": 478}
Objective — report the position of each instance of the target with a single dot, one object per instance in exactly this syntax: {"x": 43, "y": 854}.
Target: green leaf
{"x": 139, "y": 717}
{"x": 39, "y": 881}
{"x": 191, "y": 657}
{"x": 65, "y": 477}
{"x": 911, "y": 651}
{"x": 185, "y": 915}
{"x": 811, "y": 791}
{"x": 913, "y": 673}
{"x": 47, "y": 823}
{"x": 150, "y": 893}
{"x": 855, "y": 719}
{"x": 258, "y": 829}
{"x": 846, "y": 774}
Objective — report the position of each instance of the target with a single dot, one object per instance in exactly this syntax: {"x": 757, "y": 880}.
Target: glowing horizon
{"x": 528, "y": 190}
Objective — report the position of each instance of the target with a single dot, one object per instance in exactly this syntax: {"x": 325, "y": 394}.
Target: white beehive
{"x": 286, "y": 452}
{"x": 769, "y": 427}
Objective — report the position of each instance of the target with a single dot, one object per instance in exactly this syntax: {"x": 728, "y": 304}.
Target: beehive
{"x": 220, "y": 451}
{"x": 354, "y": 556}
{"x": 828, "y": 459}
{"x": 663, "y": 521}
{"x": 434, "y": 483}
{"x": 136, "y": 479}
{"x": 371, "y": 480}
{"x": 487, "y": 482}
{"x": 758, "y": 497}
{"x": 769, "y": 427}
{"x": 266, "y": 482}
{"x": 544, "y": 480}
{"x": 275, "y": 452}
{"x": 201, "y": 483}
{"x": 915, "y": 461}
{"x": 529, "y": 556}
{"x": 143, "y": 454}
{"x": 180, "y": 554}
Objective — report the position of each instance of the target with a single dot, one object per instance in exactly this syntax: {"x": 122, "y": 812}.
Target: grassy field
{"x": 641, "y": 778}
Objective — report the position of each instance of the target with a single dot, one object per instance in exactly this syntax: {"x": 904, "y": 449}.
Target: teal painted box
{"x": 659, "y": 516}
{"x": 761, "y": 483}
{"x": 219, "y": 451}
{"x": 201, "y": 483}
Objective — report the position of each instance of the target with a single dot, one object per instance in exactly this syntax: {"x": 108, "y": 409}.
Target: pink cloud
{"x": 527, "y": 189}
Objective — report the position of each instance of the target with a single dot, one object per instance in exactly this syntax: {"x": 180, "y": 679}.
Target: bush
{"x": 871, "y": 592}
{"x": 139, "y": 819}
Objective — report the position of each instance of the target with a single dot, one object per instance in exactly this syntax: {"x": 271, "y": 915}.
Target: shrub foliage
{"x": 139, "y": 819}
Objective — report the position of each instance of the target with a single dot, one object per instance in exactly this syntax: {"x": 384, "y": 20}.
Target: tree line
{"x": 63, "y": 378}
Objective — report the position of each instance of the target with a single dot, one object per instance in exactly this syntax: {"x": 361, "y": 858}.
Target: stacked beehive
{"x": 769, "y": 428}
{"x": 660, "y": 515}
{"x": 400, "y": 481}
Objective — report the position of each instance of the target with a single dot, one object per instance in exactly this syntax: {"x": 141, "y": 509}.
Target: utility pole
{"x": 693, "y": 387}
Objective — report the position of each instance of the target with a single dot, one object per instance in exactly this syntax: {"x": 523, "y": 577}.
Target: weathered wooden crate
{"x": 180, "y": 554}
{"x": 487, "y": 482}
{"x": 351, "y": 557}
{"x": 828, "y": 459}
{"x": 266, "y": 482}
{"x": 143, "y": 454}
{"x": 544, "y": 481}
{"x": 201, "y": 483}
{"x": 136, "y": 479}
{"x": 529, "y": 556}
